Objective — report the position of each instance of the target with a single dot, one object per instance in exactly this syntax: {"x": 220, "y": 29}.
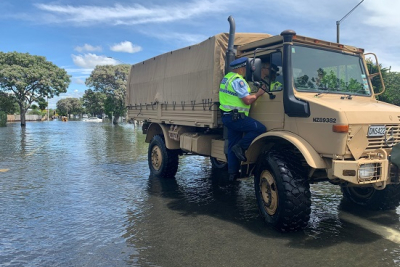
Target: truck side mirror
{"x": 253, "y": 70}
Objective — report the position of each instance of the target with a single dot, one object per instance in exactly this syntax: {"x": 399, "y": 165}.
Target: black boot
{"x": 233, "y": 177}
{"x": 239, "y": 152}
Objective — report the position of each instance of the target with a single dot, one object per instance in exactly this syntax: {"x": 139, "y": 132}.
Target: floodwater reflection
{"x": 80, "y": 194}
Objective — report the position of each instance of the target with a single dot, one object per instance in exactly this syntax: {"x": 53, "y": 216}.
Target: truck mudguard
{"x": 313, "y": 159}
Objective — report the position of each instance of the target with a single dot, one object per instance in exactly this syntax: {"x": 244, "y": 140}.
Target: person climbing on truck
{"x": 235, "y": 101}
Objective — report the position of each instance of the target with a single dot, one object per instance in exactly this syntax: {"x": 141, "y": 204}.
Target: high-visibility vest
{"x": 228, "y": 98}
{"x": 274, "y": 86}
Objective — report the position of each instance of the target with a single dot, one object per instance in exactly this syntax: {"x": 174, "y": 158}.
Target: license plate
{"x": 376, "y": 130}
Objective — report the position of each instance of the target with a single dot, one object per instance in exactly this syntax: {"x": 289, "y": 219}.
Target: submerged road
{"x": 79, "y": 194}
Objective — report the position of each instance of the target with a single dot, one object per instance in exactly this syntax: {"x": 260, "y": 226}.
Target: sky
{"x": 78, "y": 35}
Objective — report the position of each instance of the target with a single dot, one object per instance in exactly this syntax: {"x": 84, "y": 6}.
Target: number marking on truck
{"x": 376, "y": 130}
{"x": 324, "y": 120}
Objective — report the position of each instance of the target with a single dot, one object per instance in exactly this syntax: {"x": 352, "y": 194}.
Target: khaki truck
{"x": 324, "y": 124}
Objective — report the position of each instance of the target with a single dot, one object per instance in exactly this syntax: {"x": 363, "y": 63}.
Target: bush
{"x": 3, "y": 119}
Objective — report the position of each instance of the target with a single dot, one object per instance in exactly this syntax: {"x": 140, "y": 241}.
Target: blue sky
{"x": 78, "y": 35}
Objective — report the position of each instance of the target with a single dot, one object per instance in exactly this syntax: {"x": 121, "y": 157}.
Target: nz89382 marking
{"x": 325, "y": 120}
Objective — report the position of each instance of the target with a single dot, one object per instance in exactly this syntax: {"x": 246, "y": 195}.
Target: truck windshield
{"x": 318, "y": 70}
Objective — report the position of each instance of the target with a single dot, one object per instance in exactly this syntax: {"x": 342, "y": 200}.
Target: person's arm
{"x": 249, "y": 99}
{"x": 241, "y": 88}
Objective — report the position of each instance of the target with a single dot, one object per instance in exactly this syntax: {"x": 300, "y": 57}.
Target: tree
{"x": 94, "y": 102}
{"x": 30, "y": 77}
{"x": 391, "y": 81}
{"x": 392, "y": 92}
{"x": 376, "y": 80}
{"x": 69, "y": 106}
{"x": 7, "y": 103}
{"x": 34, "y": 110}
{"x": 42, "y": 103}
{"x": 111, "y": 81}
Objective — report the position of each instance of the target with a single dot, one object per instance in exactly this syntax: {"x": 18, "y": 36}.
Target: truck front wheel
{"x": 163, "y": 162}
{"x": 282, "y": 191}
{"x": 369, "y": 197}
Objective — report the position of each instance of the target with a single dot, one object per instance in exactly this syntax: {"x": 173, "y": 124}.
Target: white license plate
{"x": 376, "y": 130}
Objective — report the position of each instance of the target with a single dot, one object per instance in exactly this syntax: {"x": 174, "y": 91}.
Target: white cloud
{"x": 88, "y": 47}
{"x": 383, "y": 13}
{"x": 180, "y": 38}
{"x": 90, "y": 61}
{"x": 126, "y": 46}
{"x": 129, "y": 14}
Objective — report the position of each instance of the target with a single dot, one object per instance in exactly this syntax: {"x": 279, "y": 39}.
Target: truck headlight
{"x": 366, "y": 171}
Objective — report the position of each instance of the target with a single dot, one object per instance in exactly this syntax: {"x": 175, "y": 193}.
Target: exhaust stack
{"x": 230, "y": 52}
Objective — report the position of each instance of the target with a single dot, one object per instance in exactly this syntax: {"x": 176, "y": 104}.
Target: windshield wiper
{"x": 349, "y": 96}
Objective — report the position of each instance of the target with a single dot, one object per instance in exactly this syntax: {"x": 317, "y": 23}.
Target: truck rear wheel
{"x": 369, "y": 197}
{"x": 163, "y": 162}
{"x": 282, "y": 192}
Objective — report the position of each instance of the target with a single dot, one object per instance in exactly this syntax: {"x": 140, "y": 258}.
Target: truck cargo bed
{"x": 181, "y": 87}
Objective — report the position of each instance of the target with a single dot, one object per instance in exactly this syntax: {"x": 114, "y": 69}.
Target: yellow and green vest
{"x": 228, "y": 98}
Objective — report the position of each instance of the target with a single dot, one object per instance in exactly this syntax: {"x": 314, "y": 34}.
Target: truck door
{"x": 269, "y": 110}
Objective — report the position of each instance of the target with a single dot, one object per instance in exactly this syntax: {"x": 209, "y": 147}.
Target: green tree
{"x": 7, "y": 103}
{"x": 111, "y": 81}
{"x": 34, "y": 110}
{"x": 94, "y": 102}
{"x": 376, "y": 80}
{"x": 392, "y": 85}
{"x": 42, "y": 103}
{"x": 68, "y": 106}
{"x": 30, "y": 77}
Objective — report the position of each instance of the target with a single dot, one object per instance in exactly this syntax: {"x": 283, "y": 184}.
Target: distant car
{"x": 92, "y": 119}
{"x": 84, "y": 116}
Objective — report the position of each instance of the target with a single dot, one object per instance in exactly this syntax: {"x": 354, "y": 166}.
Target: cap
{"x": 238, "y": 63}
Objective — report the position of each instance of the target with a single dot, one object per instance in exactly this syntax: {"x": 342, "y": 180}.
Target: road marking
{"x": 4, "y": 170}
{"x": 386, "y": 232}
{"x": 34, "y": 151}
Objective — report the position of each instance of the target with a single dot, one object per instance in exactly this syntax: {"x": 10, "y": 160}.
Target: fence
{"x": 11, "y": 118}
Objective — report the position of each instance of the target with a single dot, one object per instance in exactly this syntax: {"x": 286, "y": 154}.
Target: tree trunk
{"x": 115, "y": 121}
{"x": 22, "y": 112}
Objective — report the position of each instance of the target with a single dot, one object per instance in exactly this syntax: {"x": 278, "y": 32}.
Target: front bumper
{"x": 366, "y": 171}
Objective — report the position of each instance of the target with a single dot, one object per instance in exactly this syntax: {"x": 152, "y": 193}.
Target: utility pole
{"x": 338, "y": 22}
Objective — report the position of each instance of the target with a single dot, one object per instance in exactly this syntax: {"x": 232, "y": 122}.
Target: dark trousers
{"x": 251, "y": 129}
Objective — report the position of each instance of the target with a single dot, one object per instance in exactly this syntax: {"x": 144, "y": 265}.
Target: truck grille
{"x": 391, "y": 138}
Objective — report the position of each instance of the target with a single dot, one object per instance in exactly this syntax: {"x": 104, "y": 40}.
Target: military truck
{"x": 324, "y": 124}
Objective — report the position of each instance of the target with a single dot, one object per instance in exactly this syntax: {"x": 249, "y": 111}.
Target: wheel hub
{"x": 269, "y": 192}
{"x": 156, "y": 157}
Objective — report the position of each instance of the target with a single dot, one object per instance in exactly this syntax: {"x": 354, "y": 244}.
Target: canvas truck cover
{"x": 181, "y": 87}
{"x": 189, "y": 74}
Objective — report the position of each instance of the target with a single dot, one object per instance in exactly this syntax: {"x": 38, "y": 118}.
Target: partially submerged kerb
{"x": 323, "y": 124}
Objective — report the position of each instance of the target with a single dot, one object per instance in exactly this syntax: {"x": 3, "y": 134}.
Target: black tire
{"x": 370, "y": 198}
{"x": 282, "y": 190}
{"x": 217, "y": 164}
{"x": 163, "y": 162}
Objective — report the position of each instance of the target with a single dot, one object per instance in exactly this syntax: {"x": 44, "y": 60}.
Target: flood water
{"x": 80, "y": 194}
